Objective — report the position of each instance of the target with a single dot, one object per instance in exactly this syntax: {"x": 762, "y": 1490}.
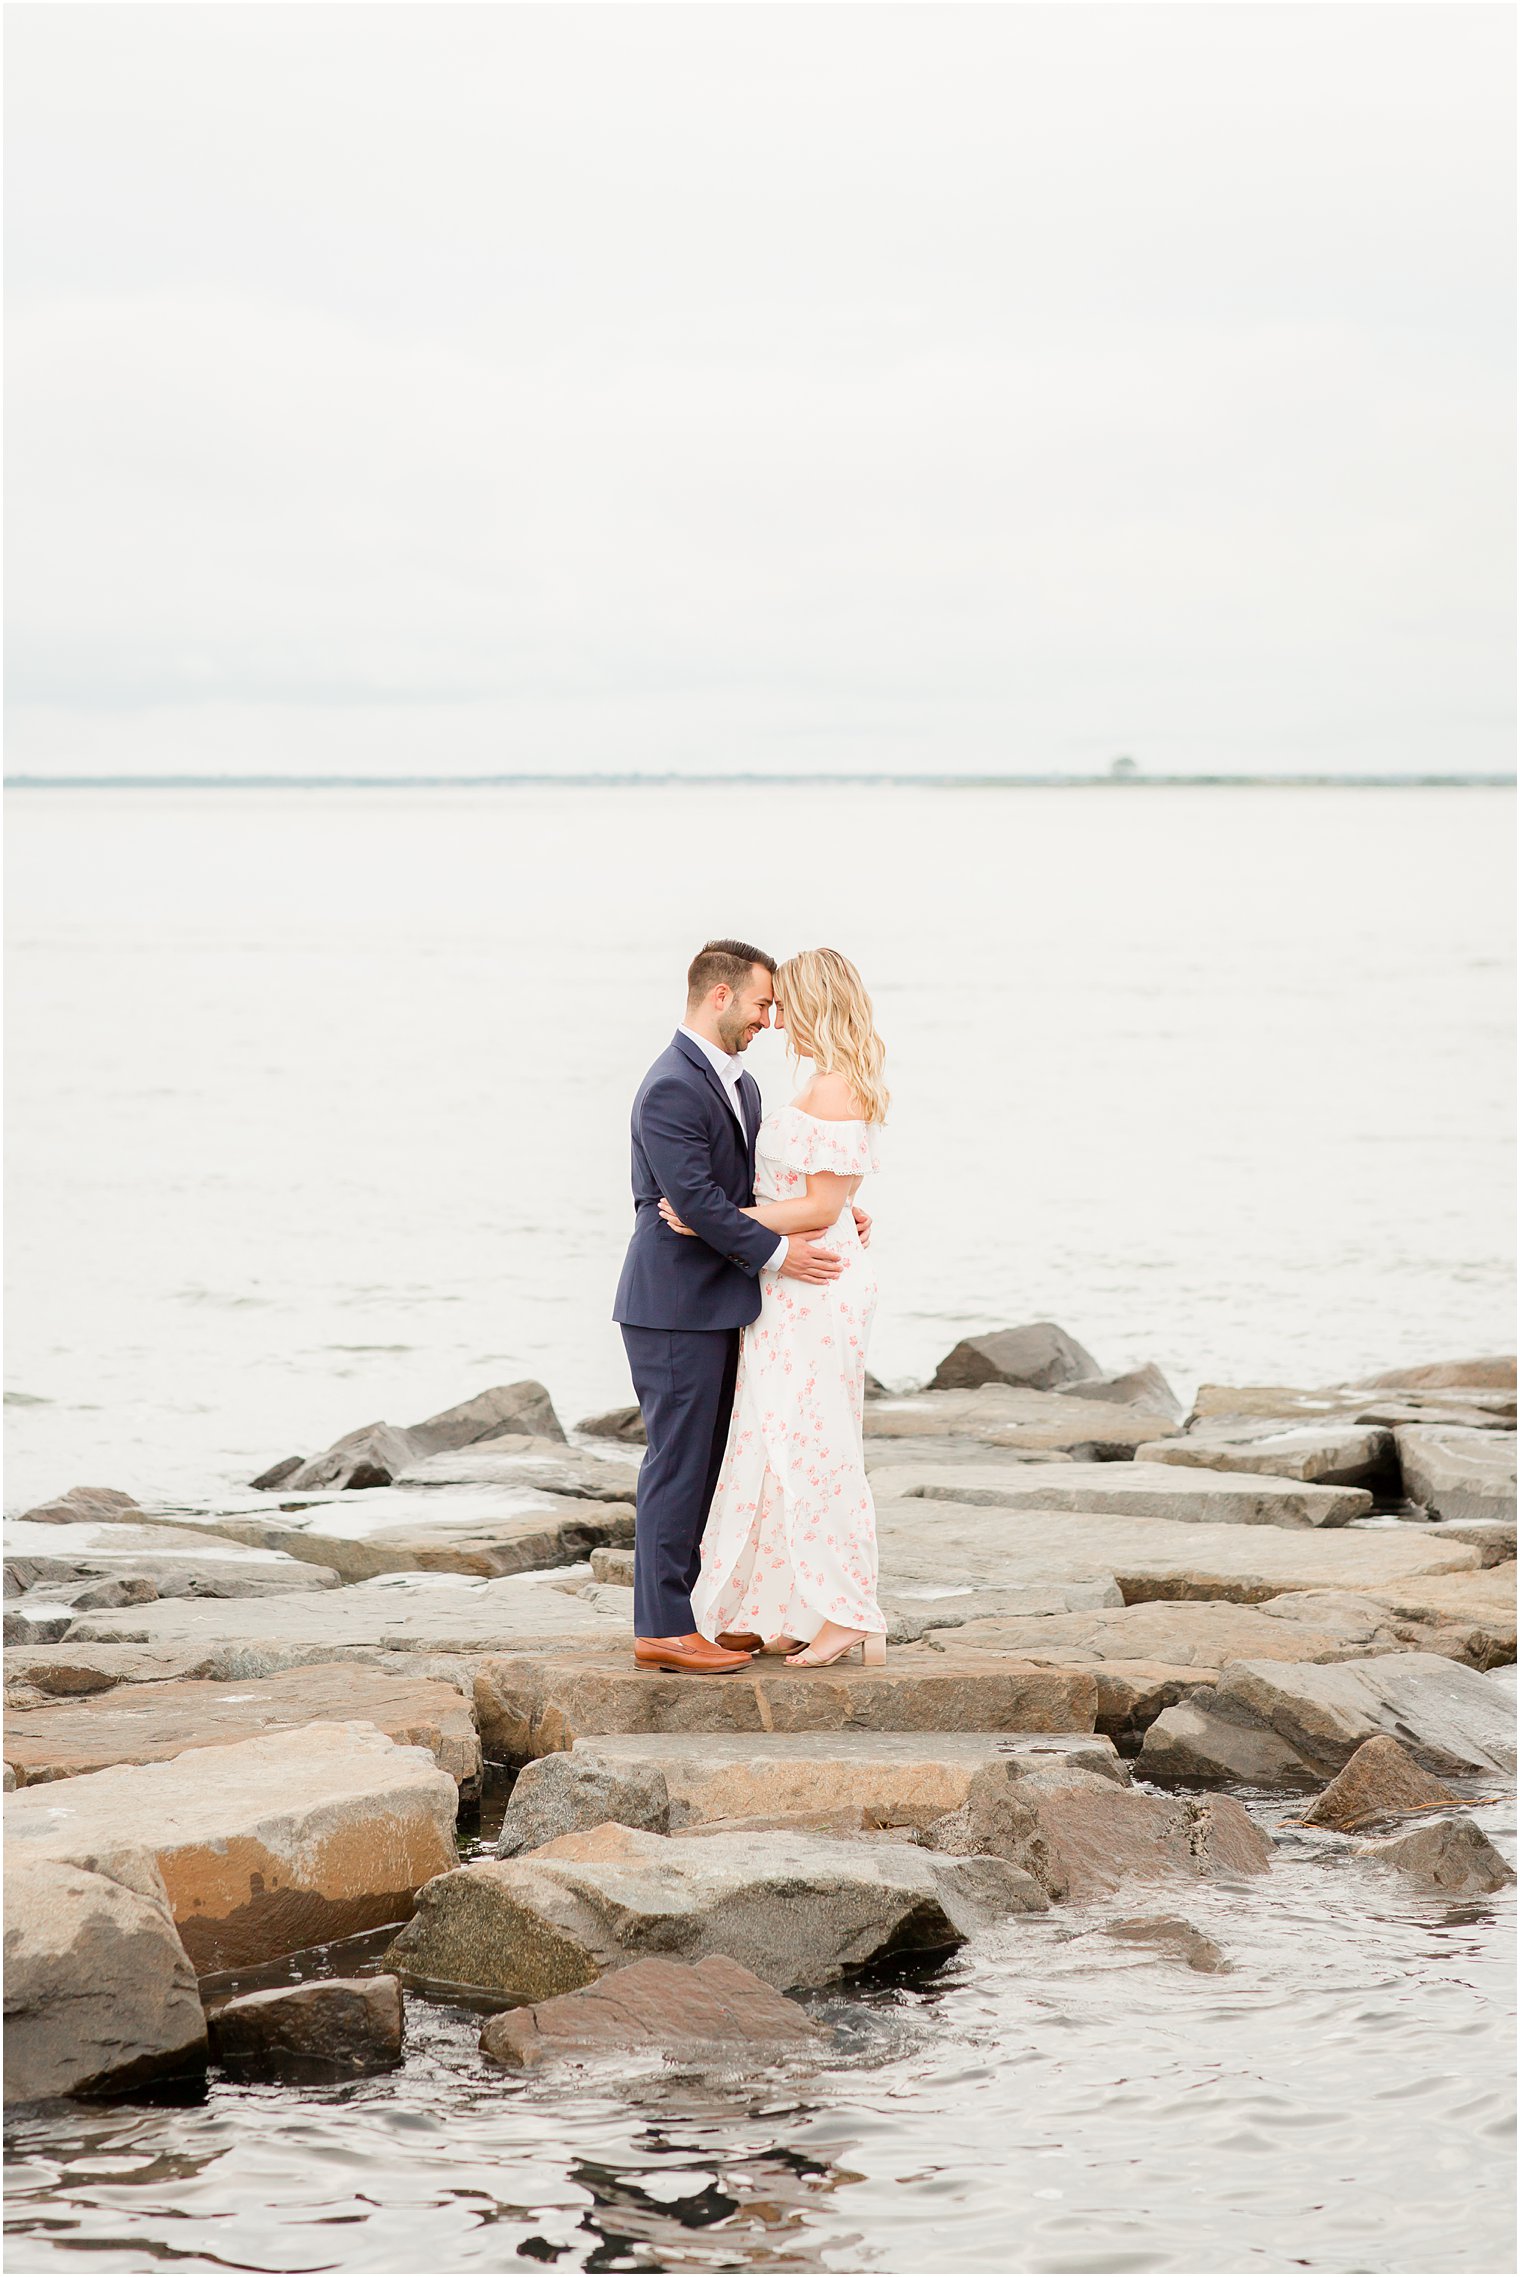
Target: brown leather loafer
{"x": 693, "y": 1655}
{"x": 740, "y": 1640}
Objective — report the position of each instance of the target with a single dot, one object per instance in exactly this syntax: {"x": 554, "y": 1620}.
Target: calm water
{"x": 318, "y": 1099}
{"x": 317, "y": 1107}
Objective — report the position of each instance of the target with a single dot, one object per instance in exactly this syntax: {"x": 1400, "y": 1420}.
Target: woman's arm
{"x": 825, "y": 1198}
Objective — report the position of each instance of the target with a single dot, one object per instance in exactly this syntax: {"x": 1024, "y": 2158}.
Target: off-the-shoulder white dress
{"x": 790, "y": 1540}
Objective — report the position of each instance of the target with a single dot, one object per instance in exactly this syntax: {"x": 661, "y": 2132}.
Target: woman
{"x": 789, "y": 1551}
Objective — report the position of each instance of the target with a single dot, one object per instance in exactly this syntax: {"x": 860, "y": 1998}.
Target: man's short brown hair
{"x": 727, "y": 964}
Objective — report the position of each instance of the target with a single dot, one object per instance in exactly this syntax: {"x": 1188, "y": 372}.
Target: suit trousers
{"x": 684, "y": 1379}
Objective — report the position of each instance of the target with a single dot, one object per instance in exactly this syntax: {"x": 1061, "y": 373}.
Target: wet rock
{"x": 1193, "y": 1741}
{"x": 565, "y": 1794}
{"x": 625, "y": 1424}
{"x": 531, "y": 1704}
{"x": 335, "y": 2028}
{"x": 1381, "y": 1780}
{"x": 1459, "y": 1474}
{"x": 797, "y": 1910}
{"x": 1040, "y": 1355}
{"x": 97, "y": 1503}
{"x": 1082, "y": 1836}
{"x": 711, "y": 2007}
{"x": 1452, "y": 1855}
{"x": 1134, "y": 1489}
{"x": 265, "y": 1847}
{"x": 1324, "y": 1454}
{"x": 895, "y": 1778}
{"x": 1446, "y": 1714}
{"x": 1145, "y": 1388}
{"x": 153, "y": 1723}
{"x": 1172, "y": 1937}
{"x": 1490, "y": 1374}
{"x": 99, "y": 1993}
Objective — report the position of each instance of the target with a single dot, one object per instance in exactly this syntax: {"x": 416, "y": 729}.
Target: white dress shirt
{"x": 727, "y": 1067}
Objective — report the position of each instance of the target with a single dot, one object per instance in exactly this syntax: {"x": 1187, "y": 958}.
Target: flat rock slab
{"x": 710, "y": 2007}
{"x": 100, "y": 1996}
{"x": 1459, "y": 1474}
{"x": 408, "y": 1612}
{"x": 507, "y": 1530}
{"x": 265, "y": 1847}
{"x": 1448, "y": 1715}
{"x": 1141, "y": 1490}
{"x": 897, "y": 1778}
{"x": 940, "y": 1545}
{"x": 1332, "y": 1453}
{"x": 796, "y": 1910}
{"x": 1009, "y": 1416}
{"x": 1476, "y": 1610}
{"x": 529, "y": 1704}
{"x": 537, "y": 1466}
{"x": 335, "y": 2028}
{"x": 152, "y": 1723}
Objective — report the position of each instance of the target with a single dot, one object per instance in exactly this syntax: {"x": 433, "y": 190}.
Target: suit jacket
{"x": 687, "y": 1145}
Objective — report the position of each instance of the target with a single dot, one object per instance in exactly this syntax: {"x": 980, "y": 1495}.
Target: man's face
{"x": 741, "y": 1019}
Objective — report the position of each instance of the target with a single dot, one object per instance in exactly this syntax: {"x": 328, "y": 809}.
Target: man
{"x": 681, "y": 1303}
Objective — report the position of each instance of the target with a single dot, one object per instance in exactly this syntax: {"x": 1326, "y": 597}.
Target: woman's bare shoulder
{"x": 830, "y": 1098}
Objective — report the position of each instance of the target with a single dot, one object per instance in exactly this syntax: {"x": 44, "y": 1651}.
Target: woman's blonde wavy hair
{"x": 829, "y": 1020}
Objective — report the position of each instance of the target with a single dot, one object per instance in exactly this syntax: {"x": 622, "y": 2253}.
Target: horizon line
{"x": 640, "y": 779}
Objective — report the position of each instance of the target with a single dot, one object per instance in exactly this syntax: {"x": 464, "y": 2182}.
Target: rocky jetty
{"x": 237, "y": 1733}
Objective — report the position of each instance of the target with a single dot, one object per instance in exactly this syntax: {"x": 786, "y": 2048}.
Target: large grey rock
{"x": 1459, "y": 1474}
{"x": 691, "y": 2009}
{"x": 1451, "y": 1855}
{"x": 536, "y": 1466}
{"x": 1340, "y": 1453}
{"x": 797, "y": 1910}
{"x": 1445, "y": 1713}
{"x": 99, "y": 1993}
{"x": 377, "y": 1453}
{"x": 225, "y": 1572}
{"x": 1137, "y": 1489}
{"x": 264, "y": 1847}
{"x": 1145, "y": 1388}
{"x": 331, "y": 2029}
{"x": 1040, "y": 1355}
{"x": 566, "y": 1794}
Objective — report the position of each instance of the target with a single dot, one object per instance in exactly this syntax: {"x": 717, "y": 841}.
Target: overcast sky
{"x": 464, "y": 388}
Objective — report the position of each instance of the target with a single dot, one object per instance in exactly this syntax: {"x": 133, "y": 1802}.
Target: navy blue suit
{"x": 681, "y": 1304}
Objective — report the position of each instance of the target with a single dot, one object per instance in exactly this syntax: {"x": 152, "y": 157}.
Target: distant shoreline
{"x": 1106, "y": 782}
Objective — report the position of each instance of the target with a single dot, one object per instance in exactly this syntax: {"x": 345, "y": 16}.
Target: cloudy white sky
{"x": 475, "y": 388}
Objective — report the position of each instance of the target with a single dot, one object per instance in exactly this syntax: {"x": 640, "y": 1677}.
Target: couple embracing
{"x": 745, "y": 1305}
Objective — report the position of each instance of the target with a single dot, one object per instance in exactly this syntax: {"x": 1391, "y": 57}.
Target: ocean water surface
{"x": 317, "y": 1099}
